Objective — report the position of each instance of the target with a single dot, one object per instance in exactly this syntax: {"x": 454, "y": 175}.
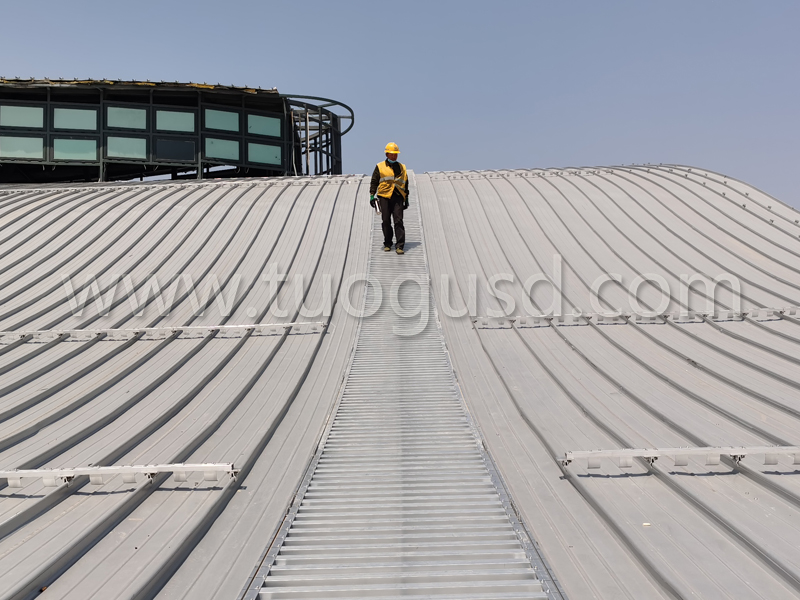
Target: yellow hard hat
{"x": 391, "y": 148}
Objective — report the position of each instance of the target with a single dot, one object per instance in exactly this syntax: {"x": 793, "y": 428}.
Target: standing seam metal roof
{"x": 401, "y": 500}
{"x": 188, "y": 392}
{"x": 542, "y": 389}
{"x": 100, "y": 388}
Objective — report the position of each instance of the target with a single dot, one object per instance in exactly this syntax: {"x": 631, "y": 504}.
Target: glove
{"x": 372, "y": 201}
{"x": 405, "y": 204}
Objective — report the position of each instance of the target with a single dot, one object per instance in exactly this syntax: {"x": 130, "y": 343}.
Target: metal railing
{"x": 317, "y": 134}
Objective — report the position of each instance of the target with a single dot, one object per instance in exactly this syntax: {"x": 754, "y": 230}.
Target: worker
{"x": 390, "y": 183}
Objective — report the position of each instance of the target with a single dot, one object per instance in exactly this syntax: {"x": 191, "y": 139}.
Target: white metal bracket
{"x": 160, "y": 333}
{"x": 531, "y": 322}
{"x": 99, "y": 475}
{"x": 679, "y": 318}
{"x": 493, "y": 323}
{"x": 571, "y": 319}
{"x": 712, "y": 454}
{"x": 764, "y": 314}
{"x": 610, "y": 318}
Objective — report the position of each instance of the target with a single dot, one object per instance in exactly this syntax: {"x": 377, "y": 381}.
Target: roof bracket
{"x": 531, "y": 322}
{"x": 611, "y": 319}
{"x": 711, "y": 455}
{"x": 765, "y": 314}
{"x": 492, "y": 323}
{"x": 725, "y": 315}
{"x": 100, "y": 475}
{"x": 647, "y": 319}
{"x": 571, "y": 319}
{"x": 160, "y": 333}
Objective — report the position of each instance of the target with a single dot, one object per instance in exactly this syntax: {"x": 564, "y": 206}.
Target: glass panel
{"x": 181, "y": 150}
{"x": 124, "y": 147}
{"x": 127, "y": 118}
{"x": 21, "y": 147}
{"x": 64, "y": 149}
{"x": 22, "y": 116}
{"x": 169, "y": 120}
{"x": 227, "y": 149}
{"x": 222, "y": 119}
{"x": 261, "y": 153}
{"x": 259, "y": 125}
{"x": 75, "y": 118}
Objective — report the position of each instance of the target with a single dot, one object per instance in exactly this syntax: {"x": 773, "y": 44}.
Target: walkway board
{"x": 402, "y": 502}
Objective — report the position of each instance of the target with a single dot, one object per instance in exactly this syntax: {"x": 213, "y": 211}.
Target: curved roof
{"x": 113, "y": 387}
{"x": 542, "y": 388}
{"x": 189, "y": 391}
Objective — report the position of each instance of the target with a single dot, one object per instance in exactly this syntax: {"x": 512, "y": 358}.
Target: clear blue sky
{"x": 470, "y": 85}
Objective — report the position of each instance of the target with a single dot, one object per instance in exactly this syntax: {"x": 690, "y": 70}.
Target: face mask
{"x": 391, "y": 161}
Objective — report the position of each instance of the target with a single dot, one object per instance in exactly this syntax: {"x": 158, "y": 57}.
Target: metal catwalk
{"x": 401, "y": 499}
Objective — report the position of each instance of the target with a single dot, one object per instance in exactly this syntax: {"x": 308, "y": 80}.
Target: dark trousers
{"x": 392, "y": 208}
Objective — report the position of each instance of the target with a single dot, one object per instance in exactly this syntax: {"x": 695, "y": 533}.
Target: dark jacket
{"x": 376, "y": 178}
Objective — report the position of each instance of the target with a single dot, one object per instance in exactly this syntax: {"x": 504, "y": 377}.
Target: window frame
{"x": 41, "y": 105}
{"x": 154, "y": 149}
{"x": 264, "y": 136}
{"x": 147, "y": 118}
{"x": 60, "y": 105}
{"x": 169, "y": 132}
{"x": 228, "y": 109}
{"x": 52, "y": 148}
{"x": 260, "y": 142}
{"x": 222, "y": 161}
{"x": 125, "y": 159}
{"x": 27, "y": 134}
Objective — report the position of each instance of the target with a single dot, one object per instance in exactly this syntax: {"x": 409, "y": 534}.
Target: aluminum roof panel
{"x": 260, "y": 399}
{"x": 168, "y": 396}
{"x": 629, "y": 385}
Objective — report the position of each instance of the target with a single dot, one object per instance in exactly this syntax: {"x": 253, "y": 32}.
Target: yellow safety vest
{"x": 389, "y": 181}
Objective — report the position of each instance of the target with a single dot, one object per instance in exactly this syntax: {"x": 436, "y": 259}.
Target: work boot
{"x": 400, "y": 251}
{"x": 387, "y": 248}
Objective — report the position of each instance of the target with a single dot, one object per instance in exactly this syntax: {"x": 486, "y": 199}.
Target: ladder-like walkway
{"x": 401, "y": 501}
